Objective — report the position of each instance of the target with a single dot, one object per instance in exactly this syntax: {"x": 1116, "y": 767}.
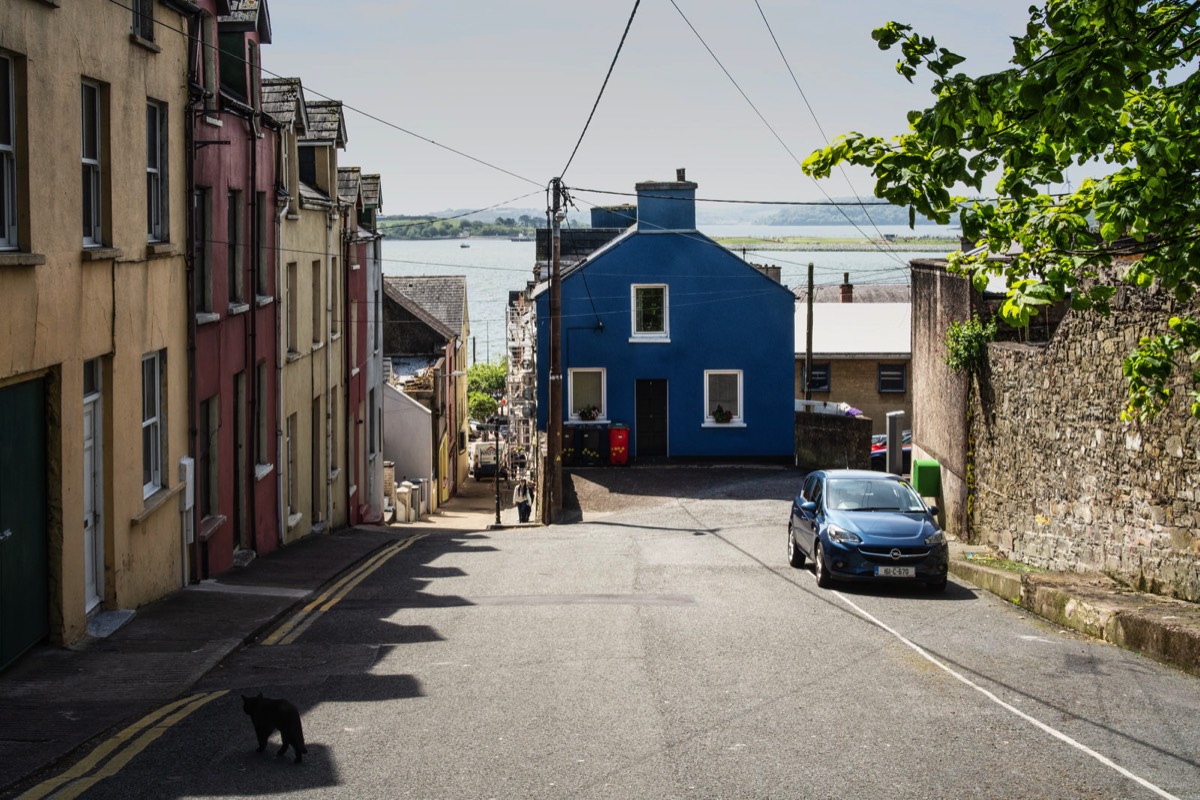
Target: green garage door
{"x": 24, "y": 599}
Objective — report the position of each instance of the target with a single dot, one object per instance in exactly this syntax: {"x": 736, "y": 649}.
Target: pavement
{"x": 58, "y": 703}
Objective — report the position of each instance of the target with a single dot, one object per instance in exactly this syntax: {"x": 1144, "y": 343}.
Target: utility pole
{"x": 808, "y": 365}
{"x": 554, "y": 420}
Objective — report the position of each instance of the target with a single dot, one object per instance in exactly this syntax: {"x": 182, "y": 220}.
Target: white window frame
{"x": 649, "y": 336}
{"x": 738, "y": 419}
{"x": 572, "y": 413}
{"x": 9, "y": 239}
{"x": 156, "y": 171}
{"x": 92, "y": 161}
{"x": 152, "y": 459}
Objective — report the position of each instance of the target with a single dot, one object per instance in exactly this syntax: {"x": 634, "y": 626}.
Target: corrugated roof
{"x": 372, "y": 192}
{"x": 349, "y": 185}
{"x": 283, "y": 100}
{"x": 441, "y": 297}
{"x": 856, "y": 329}
{"x": 326, "y": 123}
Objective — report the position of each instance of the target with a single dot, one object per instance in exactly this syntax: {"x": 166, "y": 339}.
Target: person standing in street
{"x": 522, "y": 499}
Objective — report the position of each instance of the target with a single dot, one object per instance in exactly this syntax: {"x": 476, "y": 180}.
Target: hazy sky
{"x": 511, "y": 83}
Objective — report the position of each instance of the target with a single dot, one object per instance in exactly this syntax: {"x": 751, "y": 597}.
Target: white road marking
{"x": 1057, "y": 734}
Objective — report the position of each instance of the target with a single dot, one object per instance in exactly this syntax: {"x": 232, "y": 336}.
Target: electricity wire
{"x": 596, "y": 105}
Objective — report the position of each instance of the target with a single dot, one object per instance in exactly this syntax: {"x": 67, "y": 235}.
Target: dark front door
{"x": 24, "y": 553}
{"x": 651, "y": 431}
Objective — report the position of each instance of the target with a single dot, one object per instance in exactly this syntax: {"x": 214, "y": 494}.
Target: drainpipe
{"x": 255, "y": 267}
{"x": 280, "y": 358}
{"x": 330, "y": 216}
{"x": 188, "y": 536}
{"x": 349, "y": 360}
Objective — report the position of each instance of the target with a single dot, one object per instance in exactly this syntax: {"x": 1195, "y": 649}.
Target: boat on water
{"x": 464, "y": 244}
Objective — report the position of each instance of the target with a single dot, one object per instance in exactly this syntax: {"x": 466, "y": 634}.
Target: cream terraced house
{"x": 312, "y": 392}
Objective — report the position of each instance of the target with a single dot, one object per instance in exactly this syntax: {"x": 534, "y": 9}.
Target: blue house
{"x": 669, "y": 333}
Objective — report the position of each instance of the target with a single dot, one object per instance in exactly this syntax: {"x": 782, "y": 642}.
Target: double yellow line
{"x": 299, "y": 622}
{"x": 119, "y": 750}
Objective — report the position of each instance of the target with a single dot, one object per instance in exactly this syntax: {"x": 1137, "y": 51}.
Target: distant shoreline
{"x": 839, "y": 245}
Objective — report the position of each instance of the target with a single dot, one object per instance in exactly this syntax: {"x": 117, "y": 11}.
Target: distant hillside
{"x": 714, "y": 214}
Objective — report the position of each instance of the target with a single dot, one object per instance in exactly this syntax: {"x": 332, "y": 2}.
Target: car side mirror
{"x": 808, "y": 506}
{"x": 933, "y": 511}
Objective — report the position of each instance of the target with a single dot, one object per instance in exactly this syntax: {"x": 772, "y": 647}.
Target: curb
{"x": 1160, "y": 628}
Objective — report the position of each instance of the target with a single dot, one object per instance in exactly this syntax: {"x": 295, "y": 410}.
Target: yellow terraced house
{"x": 93, "y": 349}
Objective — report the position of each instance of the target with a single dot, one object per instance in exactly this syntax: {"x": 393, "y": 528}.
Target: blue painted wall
{"x": 723, "y": 314}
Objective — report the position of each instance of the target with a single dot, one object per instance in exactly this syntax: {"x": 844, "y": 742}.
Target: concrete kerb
{"x": 1157, "y": 627}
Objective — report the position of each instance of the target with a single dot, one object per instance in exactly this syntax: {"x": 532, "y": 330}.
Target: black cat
{"x": 269, "y": 715}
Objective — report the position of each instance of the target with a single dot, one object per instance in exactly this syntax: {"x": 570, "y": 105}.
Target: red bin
{"x": 618, "y": 444}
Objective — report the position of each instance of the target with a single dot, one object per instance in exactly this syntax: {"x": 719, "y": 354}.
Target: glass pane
{"x": 91, "y": 107}
{"x": 6, "y": 103}
{"x": 585, "y": 390}
{"x": 650, "y": 310}
{"x": 149, "y": 390}
{"x": 88, "y": 210}
{"x": 149, "y": 435}
{"x": 723, "y": 392}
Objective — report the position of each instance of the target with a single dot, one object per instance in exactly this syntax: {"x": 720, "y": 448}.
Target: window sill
{"x": 335, "y": 336}
{"x": 354, "y": 267}
{"x": 710, "y": 424}
{"x": 649, "y": 339}
{"x": 334, "y": 474}
{"x": 210, "y": 525}
{"x": 293, "y": 520}
{"x": 263, "y": 470}
{"x": 52, "y": 3}
{"x": 263, "y": 300}
{"x": 292, "y": 355}
{"x": 146, "y": 43}
{"x": 101, "y": 253}
{"x": 160, "y": 250}
{"x": 15, "y": 259}
{"x": 216, "y": 122}
{"x": 597, "y": 421}
{"x": 156, "y": 501}
{"x": 236, "y": 309}
{"x": 207, "y": 317}
{"x": 354, "y": 372}
{"x": 353, "y": 489}
{"x": 317, "y": 346}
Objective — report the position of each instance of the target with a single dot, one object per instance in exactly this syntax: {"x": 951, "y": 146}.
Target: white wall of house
{"x": 408, "y": 438}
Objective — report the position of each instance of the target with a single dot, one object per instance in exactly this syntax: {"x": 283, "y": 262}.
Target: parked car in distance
{"x": 861, "y": 525}
{"x": 879, "y": 443}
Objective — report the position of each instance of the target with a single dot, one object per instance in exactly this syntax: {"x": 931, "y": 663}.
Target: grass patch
{"x": 1002, "y": 563}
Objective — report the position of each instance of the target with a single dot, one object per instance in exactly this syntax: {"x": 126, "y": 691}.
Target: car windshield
{"x": 871, "y": 494}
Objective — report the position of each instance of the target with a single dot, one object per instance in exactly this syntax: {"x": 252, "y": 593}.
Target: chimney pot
{"x": 847, "y": 288}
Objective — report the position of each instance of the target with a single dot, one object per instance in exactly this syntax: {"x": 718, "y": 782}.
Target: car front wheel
{"x": 795, "y": 554}
{"x": 819, "y": 569}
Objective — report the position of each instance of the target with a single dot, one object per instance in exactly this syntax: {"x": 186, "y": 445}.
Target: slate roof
{"x": 326, "y": 123}
{"x": 372, "y": 192}
{"x": 248, "y": 15}
{"x": 856, "y": 330}
{"x": 283, "y": 100}
{"x": 349, "y": 185}
{"x": 863, "y": 293}
{"x": 439, "y": 300}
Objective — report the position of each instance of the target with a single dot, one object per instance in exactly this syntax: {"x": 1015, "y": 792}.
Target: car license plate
{"x": 895, "y": 572}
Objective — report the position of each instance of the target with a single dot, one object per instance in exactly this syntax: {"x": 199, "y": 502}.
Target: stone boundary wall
{"x": 1059, "y": 481}
{"x": 832, "y": 441}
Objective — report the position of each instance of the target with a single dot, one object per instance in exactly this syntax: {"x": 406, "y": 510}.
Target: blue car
{"x": 860, "y": 525}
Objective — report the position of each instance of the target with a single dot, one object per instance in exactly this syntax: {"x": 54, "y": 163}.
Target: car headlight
{"x": 937, "y": 538}
{"x": 842, "y": 535}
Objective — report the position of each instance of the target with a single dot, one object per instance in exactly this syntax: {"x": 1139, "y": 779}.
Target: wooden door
{"x": 650, "y": 434}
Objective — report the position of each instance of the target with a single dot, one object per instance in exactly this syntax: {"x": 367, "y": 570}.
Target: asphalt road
{"x": 668, "y": 651}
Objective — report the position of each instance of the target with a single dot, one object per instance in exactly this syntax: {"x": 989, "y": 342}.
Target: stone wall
{"x": 832, "y": 441}
{"x": 1059, "y": 481}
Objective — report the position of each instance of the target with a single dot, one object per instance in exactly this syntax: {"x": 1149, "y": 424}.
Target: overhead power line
{"x": 828, "y": 202}
{"x": 596, "y": 105}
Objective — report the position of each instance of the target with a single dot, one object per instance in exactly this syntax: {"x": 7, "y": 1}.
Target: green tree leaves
{"x": 1112, "y": 84}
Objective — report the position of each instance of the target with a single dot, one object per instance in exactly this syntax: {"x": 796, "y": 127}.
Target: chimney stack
{"x": 681, "y": 175}
{"x": 847, "y": 288}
